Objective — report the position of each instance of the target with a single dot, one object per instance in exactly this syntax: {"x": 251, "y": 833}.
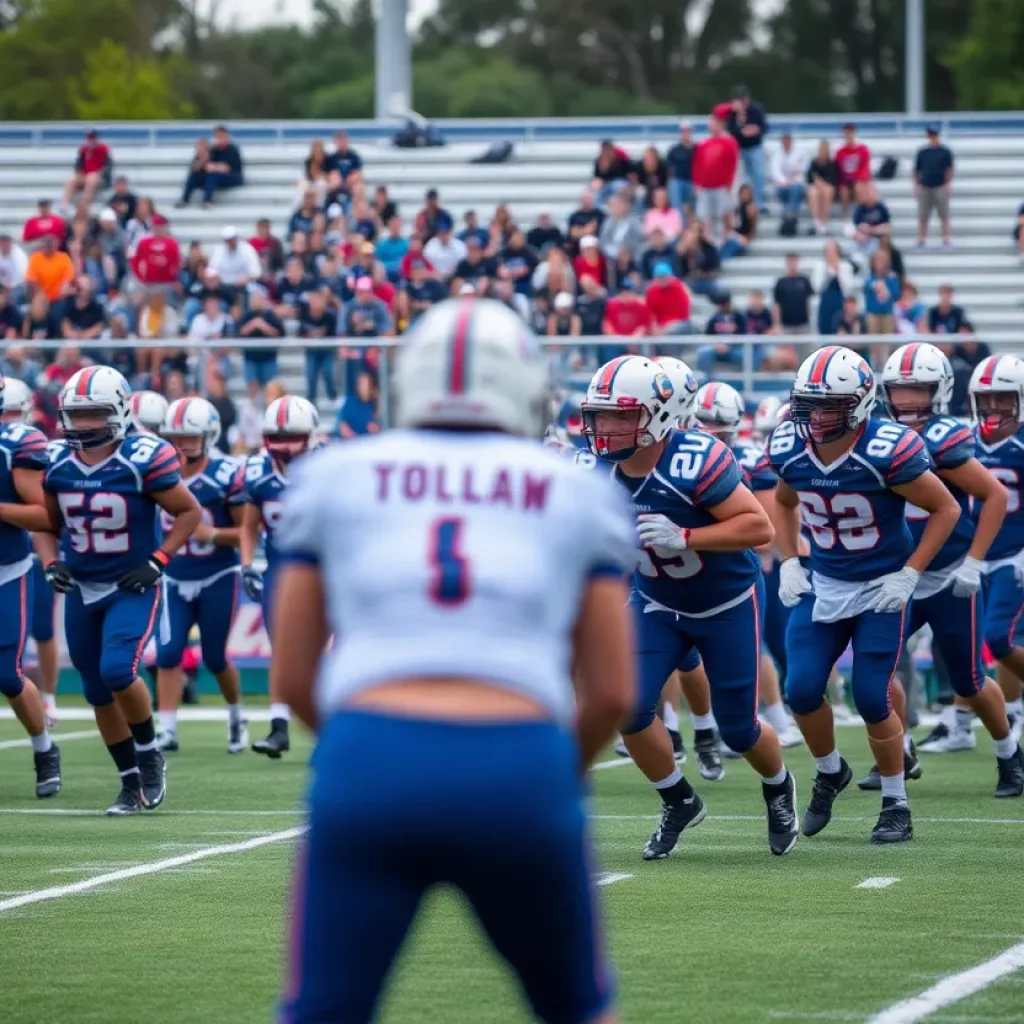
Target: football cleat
{"x": 827, "y": 786}
{"x": 894, "y": 824}
{"x": 168, "y": 742}
{"x": 620, "y": 748}
{"x": 238, "y": 736}
{"x": 678, "y": 748}
{"x": 943, "y": 740}
{"x": 1010, "y": 780}
{"x": 709, "y": 761}
{"x": 783, "y": 830}
{"x": 48, "y": 772}
{"x": 675, "y": 819}
{"x": 911, "y": 770}
{"x": 791, "y": 737}
{"x": 276, "y": 744}
{"x": 129, "y": 801}
{"x": 153, "y": 769}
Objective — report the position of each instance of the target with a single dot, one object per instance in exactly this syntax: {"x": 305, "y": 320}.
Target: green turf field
{"x": 721, "y": 932}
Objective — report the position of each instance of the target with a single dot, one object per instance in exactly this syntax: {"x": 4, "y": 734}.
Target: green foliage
{"x": 986, "y": 62}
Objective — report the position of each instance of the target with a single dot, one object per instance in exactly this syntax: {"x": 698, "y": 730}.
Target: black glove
{"x": 58, "y": 575}
{"x": 142, "y": 577}
{"x": 252, "y": 582}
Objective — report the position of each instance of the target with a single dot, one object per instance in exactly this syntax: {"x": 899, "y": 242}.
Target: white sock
{"x": 948, "y": 716}
{"x": 830, "y": 764}
{"x": 49, "y": 700}
{"x": 906, "y": 743}
{"x": 775, "y": 715}
{"x": 41, "y": 743}
{"x": 1015, "y": 707}
{"x": 1005, "y": 747}
{"x": 667, "y": 783}
{"x": 962, "y": 719}
{"x": 895, "y": 787}
{"x": 168, "y": 721}
{"x": 670, "y": 716}
{"x": 281, "y": 711}
{"x": 776, "y": 780}
{"x": 235, "y": 713}
{"x": 701, "y": 722}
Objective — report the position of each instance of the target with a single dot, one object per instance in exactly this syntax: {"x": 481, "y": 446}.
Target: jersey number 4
{"x": 96, "y": 523}
{"x": 846, "y": 517}
{"x": 449, "y": 583}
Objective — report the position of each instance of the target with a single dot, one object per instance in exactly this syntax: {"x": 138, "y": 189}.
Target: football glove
{"x": 794, "y": 582}
{"x": 895, "y": 590}
{"x": 252, "y": 583}
{"x": 143, "y": 577}
{"x": 58, "y": 575}
{"x": 967, "y": 577}
{"x": 658, "y": 531}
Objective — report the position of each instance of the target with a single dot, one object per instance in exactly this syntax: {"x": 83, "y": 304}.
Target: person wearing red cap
{"x": 92, "y": 169}
{"x": 157, "y": 259}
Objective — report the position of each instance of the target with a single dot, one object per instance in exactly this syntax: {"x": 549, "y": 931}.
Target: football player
{"x": 201, "y": 582}
{"x": 22, "y": 508}
{"x": 102, "y": 495}
{"x": 719, "y": 411}
{"x": 917, "y": 385}
{"x": 148, "y": 410}
{"x": 997, "y": 403}
{"x": 698, "y": 584}
{"x": 850, "y": 478}
{"x": 462, "y": 568}
{"x": 289, "y": 429}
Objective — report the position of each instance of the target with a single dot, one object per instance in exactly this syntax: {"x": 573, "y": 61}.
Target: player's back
{"x": 454, "y": 554}
{"x": 21, "y": 447}
{"x": 1005, "y": 460}
{"x": 755, "y": 466}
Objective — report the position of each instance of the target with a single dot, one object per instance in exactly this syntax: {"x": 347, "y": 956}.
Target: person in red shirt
{"x": 591, "y": 261}
{"x": 668, "y": 302}
{"x": 383, "y": 289}
{"x": 157, "y": 259}
{"x": 853, "y": 159}
{"x": 715, "y": 162}
{"x": 414, "y": 256}
{"x": 268, "y": 248}
{"x": 43, "y": 224}
{"x": 92, "y": 169}
{"x": 626, "y": 315}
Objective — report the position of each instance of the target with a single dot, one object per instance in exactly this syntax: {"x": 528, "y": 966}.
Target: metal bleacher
{"x": 547, "y": 174}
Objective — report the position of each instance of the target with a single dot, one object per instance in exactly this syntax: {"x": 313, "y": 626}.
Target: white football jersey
{"x": 453, "y": 554}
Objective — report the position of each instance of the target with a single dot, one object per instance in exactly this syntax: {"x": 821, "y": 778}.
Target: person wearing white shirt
{"x": 444, "y": 251}
{"x": 209, "y": 327}
{"x": 13, "y": 265}
{"x": 789, "y": 169}
{"x": 235, "y": 260}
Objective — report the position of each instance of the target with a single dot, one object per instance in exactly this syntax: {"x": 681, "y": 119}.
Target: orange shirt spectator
{"x": 50, "y": 270}
{"x": 44, "y": 223}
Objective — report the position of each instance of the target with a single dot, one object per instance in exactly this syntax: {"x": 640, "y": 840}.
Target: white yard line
{"x": 838, "y": 817}
{"x": 609, "y": 877}
{"x": 77, "y": 812}
{"x": 154, "y": 867}
{"x": 880, "y": 882}
{"x": 953, "y": 988}
{"x": 57, "y": 738}
{"x": 619, "y": 762}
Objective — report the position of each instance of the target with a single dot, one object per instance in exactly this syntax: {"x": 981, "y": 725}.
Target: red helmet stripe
{"x": 907, "y": 361}
{"x": 282, "y": 414}
{"x": 84, "y": 381}
{"x": 179, "y": 416}
{"x": 988, "y": 371}
{"x": 604, "y": 385}
{"x": 709, "y": 396}
{"x": 460, "y": 349}
{"x": 820, "y": 365}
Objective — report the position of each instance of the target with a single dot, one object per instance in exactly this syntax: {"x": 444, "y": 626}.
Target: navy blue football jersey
{"x": 22, "y": 447}
{"x": 695, "y": 472}
{"x": 110, "y": 521}
{"x": 858, "y": 526}
{"x": 265, "y": 487}
{"x": 1005, "y": 460}
{"x": 755, "y": 467}
{"x": 218, "y": 489}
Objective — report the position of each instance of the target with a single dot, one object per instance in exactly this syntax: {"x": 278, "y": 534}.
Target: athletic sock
{"x": 49, "y": 701}
{"x": 703, "y": 721}
{"x": 1015, "y": 707}
{"x": 235, "y": 713}
{"x": 123, "y": 753}
{"x": 670, "y": 717}
{"x": 281, "y": 712}
{"x": 830, "y": 764}
{"x": 674, "y": 789}
{"x": 168, "y": 721}
{"x": 894, "y": 787}
{"x": 775, "y": 715}
{"x": 962, "y": 719}
{"x": 776, "y": 780}
{"x": 1005, "y": 747}
{"x": 906, "y": 743}
{"x": 41, "y": 743}
{"x": 144, "y": 734}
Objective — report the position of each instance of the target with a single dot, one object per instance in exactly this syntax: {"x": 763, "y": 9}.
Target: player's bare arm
{"x": 222, "y": 536}
{"x": 178, "y": 501}
{"x": 32, "y": 514}
{"x": 249, "y": 533}
{"x": 930, "y": 493}
{"x": 742, "y": 524}
{"x": 787, "y": 521}
{"x": 974, "y": 479}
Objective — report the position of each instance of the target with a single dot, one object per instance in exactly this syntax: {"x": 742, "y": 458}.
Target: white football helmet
{"x": 473, "y": 363}
{"x": 684, "y": 386}
{"x": 766, "y": 416}
{"x": 96, "y": 390}
{"x": 833, "y": 394}
{"x": 290, "y": 427}
{"x": 149, "y": 411}
{"x": 785, "y": 414}
{"x": 15, "y": 400}
{"x": 630, "y": 405}
{"x": 719, "y": 409}
{"x": 918, "y": 365}
{"x": 992, "y": 380}
{"x": 192, "y": 418}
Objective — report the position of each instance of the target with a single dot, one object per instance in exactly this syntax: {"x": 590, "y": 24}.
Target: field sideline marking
{"x": 609, "y": 877}
{"x": 953, "y": 988}
{"x": 879, "y": 882}
{"x": 55, "y": 736}
{"x": 153, "y": 867}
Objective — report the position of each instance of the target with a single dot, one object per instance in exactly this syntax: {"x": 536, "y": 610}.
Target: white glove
{"x": 967, "y": 577}
{"x": 658, "y": 531}
{"x": 894, "y": 590}
{"x": 794, "y": 582}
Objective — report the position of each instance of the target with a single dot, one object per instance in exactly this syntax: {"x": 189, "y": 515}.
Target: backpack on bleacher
{"x": 497, "y": 153}
{"x": 416, "y": 136}
{"x": 789, "y": 226}
{"x": 887, "y": 169}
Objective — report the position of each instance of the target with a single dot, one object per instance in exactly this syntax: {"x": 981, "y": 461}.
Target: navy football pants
{"x": 212, "y": 610}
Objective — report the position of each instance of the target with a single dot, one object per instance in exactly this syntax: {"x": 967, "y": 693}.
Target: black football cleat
{"x": 783, "y": 830}
{"x": 678, "y": 747}
{"x": 1010, "y": 781}
{"x": 827, "y": 786}
{"x": 276, "y": 744}
{"x": 894, "y": 824}
{"x": 168, "y": 742}
{"x": 153, "y": 769}
{"x": 873, "y": 779}
{"x": 709, "y": 760}
{"x": 911, "y": 770}
{"x": 675, "y": 819}
{"x": 129, "y": 801}
{"x": 48, "y": 772}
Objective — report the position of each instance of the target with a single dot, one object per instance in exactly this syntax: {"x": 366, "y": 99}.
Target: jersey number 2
{"x": 105, "y": 533}
{"x": 450, "y": 582}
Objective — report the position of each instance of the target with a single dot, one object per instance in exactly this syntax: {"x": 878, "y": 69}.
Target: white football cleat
{"x": 791, "y": 736}
{"x": 944, "y": 740}
{"x": 238, "y": 736}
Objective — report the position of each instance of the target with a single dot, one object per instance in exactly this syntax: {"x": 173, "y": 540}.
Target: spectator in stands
{"x": 725, "y": 322}
{"x": 715, "y": 163}
{"x": 391, "y": 249}
{"x": 92, "y": 169}
{"x": 621, "y": 229}
{"x": 16, "y": 361}
{"x": 236, "y": 264}
{"x": 364, "y": 317}
{"x": 196, "y": 172}
{"x": 304, "y": 216}
{"x": 10, "y": 318}
{"x": 121, "y": 359}
{"x": 563, "y": 321}
{"x": 363, "y": 219}
{"x": 853, "y": 159}
{"x": 748, "y": 126}
{"x": 221, "y": 169}
{"x": 758, "y": 317}
{"x": 792, "y": 299}
{"x": 789, "y": 168}
{"x": 122, "y": 200}
{"x": 586, "y": 220}
{"x": 316, "y": 322}
{"x": 662, "y": 216}
{"x": 591, "y": 261}
{"x": 659, "y": 251}
{"x": 473, "y": 229}
{"x": 516, "y": 263}
{"x": 157, "y": 259}
{"x": 699, "y": 262}
{"x": 67, "y": 363}
{"x": 83, "y": 318}
{"x": 50, "y": 270}
{"x": 414, "y": 255}
{"x": 554, "y": 275}
{"x": 544, "y": 233}
{"x": 747, "y": 216}
{"x": 13, "y": 268}
{"x": 668, "y": 302}
{"x": 850, "y": 322}
{"x": 82, "y": 227}
{"x": 210, "y": 325}
{"x": 209, "y": 285}
{"x": 112, "y": 247}
{"x": 43, "y": 224}
{"x": 946, "y": 317}
{"x": 679, "y": 162}
{"x": 895, "y": 256}
{"x": 591, "y": 304}
{"x": 871, "y": 219}
{"x": 476, "y": 269}
{"x": 832, "y": 279}
{"x": 345, "y": 167}
{"x": 964, "y": 356}
{"x": 158, "y": 322}
{"x": 881, "y": 290}
{"x": 613, "y": 170}
{"x": 268, "y": 247}
{"x": 358, "y": 412}
{"x": 383, "y": 206}
{"x": 140, "y": 225}
{"x": 625, "y": 315}
{"x": 292, "y": 289}
{"x": 432, "y": 214}
{"x": 651, "y": 175}
{"x": 420, "y": 291}
{"x": 910, "y": 311}
{"x": 315, "y": 173}
{"x": 933, "y": 182}
{"x": 39, "y": 322}
{"x": 822, "y": 185}
{"x": 444, "y": 250}
{"x": 260, "y": 323}
{"x": 502, "y": 226}
{"x": 384, "y": 289}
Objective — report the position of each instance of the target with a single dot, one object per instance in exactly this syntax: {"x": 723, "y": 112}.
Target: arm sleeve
{"x": 30, "y": 452}
{"x": 299, "y": 534}
{"x": 162, "y": 471}
{"x": 718, "y": 477}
